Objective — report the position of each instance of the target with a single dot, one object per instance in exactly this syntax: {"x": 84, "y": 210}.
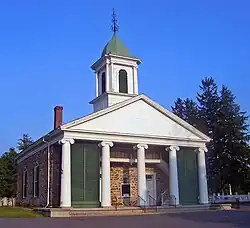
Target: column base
{"x": 65, "y": 207}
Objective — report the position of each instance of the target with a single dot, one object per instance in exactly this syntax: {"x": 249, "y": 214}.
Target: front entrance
{"x": 151, "y": 188}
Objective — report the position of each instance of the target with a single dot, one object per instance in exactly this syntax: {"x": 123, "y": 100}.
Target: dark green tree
{"x": 219, "y": 116}
{"x": 178, "y": 108}
{"x": 233, "y": 149}
{"x": 24, "y": 142}
{"x": 208, "y": 99}
{"x": 8, "y": 173}
{"x": 188, "y": 110}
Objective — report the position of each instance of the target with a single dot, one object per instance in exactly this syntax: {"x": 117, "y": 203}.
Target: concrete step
{"x": 82, "y": 212}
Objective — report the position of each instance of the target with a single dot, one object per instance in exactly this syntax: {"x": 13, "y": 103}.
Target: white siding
{"x": 116, "y": 98}
{"x": 138, "y": 118}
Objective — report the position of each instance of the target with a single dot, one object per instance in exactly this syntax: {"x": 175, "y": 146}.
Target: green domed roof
{"x": 116, "y": 46}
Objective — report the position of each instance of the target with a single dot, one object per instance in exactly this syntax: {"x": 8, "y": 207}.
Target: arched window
{"x": 123, "y": 81}
{"x": 103, "y": 83}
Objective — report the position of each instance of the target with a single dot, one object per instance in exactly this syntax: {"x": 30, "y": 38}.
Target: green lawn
{"x": 17, "y": 212}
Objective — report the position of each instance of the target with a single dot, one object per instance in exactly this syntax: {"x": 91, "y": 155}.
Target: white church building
{"x": 129, "y": 151}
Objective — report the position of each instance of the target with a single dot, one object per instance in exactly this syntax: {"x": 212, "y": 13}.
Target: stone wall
{"x": 41, "y": 158}
{"x": 29, "y": 164}
{"x": 55, "y": 181}
{"x": 117, "y": 171}
{"x": 116, "y": 178}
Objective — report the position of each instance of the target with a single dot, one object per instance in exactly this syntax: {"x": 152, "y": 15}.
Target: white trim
{"x": 133, "y": 139}
{"x": 119, "y": 105}
{"x": 154, "y": 182}
{"x": 38, "y": 149}
{"x": 35, "y": 180}
{"x": 128, "y": 160}
{"x": 24, "y": 181}
{"x": 38, "y": 142}
{"x": 101, "y": 61}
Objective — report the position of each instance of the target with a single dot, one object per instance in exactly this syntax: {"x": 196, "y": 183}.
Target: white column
{"x": 173, "y": 173}
{"x": 107, "y": 77}
{"x": 112, "y": 77}
{"x": 96, "y": 85}
{"x": 106, "y": 195}
{"x": 202, "y": 176}
{"x": 141, "y": 174}
{"x": 66, "y": 172}
{"x": 135, "y": 80}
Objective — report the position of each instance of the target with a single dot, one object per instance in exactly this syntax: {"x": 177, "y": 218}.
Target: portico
{"x": 107, "y": 148}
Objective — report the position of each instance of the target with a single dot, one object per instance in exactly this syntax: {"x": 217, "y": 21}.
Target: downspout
{"x": 48, "y": 174}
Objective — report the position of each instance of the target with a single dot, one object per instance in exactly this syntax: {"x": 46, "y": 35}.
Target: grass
{"x": 17, "y": 212}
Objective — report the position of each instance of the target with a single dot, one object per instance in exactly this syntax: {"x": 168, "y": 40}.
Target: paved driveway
{"x": 210, "y": 219}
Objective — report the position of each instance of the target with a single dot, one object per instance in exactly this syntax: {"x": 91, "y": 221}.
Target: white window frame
{"x": 35, "y": 180}
{"x": 24, "y": 181}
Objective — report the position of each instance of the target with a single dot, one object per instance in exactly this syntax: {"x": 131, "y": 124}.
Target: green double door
{"x": 85, "y": 175}
{"x": 188, "y": 176}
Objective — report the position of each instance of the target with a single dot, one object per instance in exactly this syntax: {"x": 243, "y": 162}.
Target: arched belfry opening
{"x": 103, "y": 82}
{"x": 123, "y": 81}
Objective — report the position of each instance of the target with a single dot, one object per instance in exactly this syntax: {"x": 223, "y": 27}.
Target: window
{"x": 103, "y": 83}
{"x": 123, "y": 81}
{"x": 36, "y": 180}
{"x": 25, "y": 182}
{"x": 125, "y": 190}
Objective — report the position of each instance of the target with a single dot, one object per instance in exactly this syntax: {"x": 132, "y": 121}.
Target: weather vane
{"x": 114, "y": 22}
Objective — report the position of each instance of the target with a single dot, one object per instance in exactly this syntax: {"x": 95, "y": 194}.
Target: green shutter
{"x": 85, "y": 175}
{"x": 77, "y": 174}
{"x": 92, "y": 175}
{"x": 188, "y": 176}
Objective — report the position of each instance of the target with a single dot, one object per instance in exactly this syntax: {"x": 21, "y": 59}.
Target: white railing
{"x": 164, "y": 197}
{"x": 167, "y": 199}
{"x": 229, "y": 198}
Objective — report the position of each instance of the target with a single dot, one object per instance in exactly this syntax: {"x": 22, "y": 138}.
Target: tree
{"x": 178, "y": 108}
{"x": 219, "y": 116}
{"x": 234, "y": 150}
{"x": 188, "y": 110}
{"x": 8, "y": 174}
{"x": 24, "y": 142}
{"x": 208, "y": 99}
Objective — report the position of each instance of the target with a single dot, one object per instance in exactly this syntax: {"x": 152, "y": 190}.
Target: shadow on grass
{"x": 235, "y": 218}
{"x": 17, "y": 212}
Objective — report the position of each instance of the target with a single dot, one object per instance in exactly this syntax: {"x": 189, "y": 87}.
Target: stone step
{"x": 106, "y": 213}
{"x": 81, "y": 212}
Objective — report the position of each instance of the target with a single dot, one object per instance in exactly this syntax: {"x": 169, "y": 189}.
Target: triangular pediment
{"x": 137, "y": 116}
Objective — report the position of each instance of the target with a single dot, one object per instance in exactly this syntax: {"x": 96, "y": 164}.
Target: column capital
{"x": 201, "y": 149}
{"x": 65, "y": 140}
{"x": 173, "y": 147}
{"x": 106, "y": 143}
{"x": 138, "y": 146}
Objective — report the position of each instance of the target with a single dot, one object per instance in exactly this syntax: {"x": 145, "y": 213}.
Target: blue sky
{"x": 48, "y": 46}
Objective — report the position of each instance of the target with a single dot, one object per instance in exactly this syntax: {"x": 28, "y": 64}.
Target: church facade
{"x": 129, "y": 152}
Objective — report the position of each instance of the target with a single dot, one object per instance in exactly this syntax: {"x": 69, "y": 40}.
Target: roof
{"x": 116, "y": 46}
